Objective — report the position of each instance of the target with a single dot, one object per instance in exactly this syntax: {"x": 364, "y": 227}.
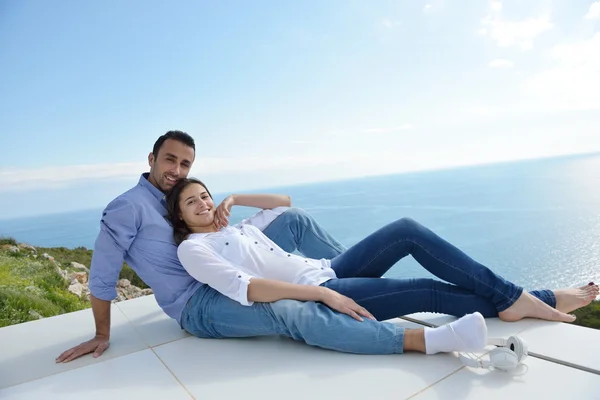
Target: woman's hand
{"x": 345, "y": 305}
{"x": 223, "y": 212}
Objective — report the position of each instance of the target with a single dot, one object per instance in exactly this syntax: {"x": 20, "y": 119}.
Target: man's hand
{"x": 97, "y": 345}
{"x": 345, "y": 305}
{"x": 223, "y": 212}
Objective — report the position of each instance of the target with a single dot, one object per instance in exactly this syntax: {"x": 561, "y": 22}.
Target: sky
{"x": 283, "y": 93}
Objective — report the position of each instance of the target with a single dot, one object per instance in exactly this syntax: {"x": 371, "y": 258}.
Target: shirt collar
{"x": 160, "y": 196}
{"x": 197, "y": 235}
{"x": 200, "y": 235}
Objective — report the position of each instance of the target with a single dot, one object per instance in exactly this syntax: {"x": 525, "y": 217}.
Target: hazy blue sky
{"x": 280, "y": 92}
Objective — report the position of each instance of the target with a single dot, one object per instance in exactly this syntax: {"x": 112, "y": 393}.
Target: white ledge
{"x": 150, "y": 357}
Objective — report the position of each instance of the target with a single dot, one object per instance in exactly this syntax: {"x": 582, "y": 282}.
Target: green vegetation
{"x": 589, "y": 316}
{"x": 83, "y": 256}
{"x": 31, "y": 286}
{"x": 5, "y": 240}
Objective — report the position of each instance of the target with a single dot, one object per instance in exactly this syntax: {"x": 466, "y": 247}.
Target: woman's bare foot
{"x": 530, "y": 306}
{"x": 568, "y": 300}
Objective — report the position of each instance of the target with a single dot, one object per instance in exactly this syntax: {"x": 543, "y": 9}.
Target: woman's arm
{"x": 264, "y": 201}
{"x": 206, "y": 266}
{"x": 268, "y": 291}
{"x": 210, "y": 268}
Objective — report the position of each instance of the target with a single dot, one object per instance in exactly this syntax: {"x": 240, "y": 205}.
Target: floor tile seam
{"x": 100, "y": 361}
{"x": 436, "y": 382}
{"x": 564, "y": 363}
{"x": 448, "y": 376}
{"x": 553, "y": 360}
{"x": 419, "y": 322}
{"x": 103, "y": 360}
{"x": 147, "y": 342}
{"x": 169, "y": 342}
{"x": 134, "y": 326}
{"x": 173, "y": 374}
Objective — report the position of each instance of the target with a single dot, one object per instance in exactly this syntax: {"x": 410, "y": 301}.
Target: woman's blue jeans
{"x": 472, "y": 286}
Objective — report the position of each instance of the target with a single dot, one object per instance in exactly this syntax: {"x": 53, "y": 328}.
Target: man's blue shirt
{"x": 134, "y": 229}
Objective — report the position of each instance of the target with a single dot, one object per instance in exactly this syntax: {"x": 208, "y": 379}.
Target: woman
{"x": 241, "y": 263}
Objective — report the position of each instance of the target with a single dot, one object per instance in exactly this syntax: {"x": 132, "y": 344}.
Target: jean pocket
{"x": 194, "y": 325}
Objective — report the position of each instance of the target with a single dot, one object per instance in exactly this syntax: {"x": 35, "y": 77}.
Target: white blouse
{"x": 228, "y": 259}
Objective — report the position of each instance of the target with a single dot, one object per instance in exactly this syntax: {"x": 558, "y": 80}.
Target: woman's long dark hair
{"x": 180, "y": 229}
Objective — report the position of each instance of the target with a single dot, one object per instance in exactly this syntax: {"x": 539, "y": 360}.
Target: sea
{"x": 535, "y": 222}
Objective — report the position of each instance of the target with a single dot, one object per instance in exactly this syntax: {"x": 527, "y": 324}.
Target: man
{"x": 134, "y": 229}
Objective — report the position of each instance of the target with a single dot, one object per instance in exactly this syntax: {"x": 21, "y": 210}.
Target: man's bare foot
{"x": 568, "y": 300}
{"x": 532, "y": 307}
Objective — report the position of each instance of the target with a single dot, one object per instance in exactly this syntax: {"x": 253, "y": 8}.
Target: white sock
{"x": 468, "y": 333}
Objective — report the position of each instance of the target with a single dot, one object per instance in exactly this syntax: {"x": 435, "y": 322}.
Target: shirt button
{"x": 242, "y": 233}
{"x": 239, "y": 276}
{"x": 289, "y": 255}
{"x": 226, "y": 243}
{"x": 255, "y": 242}
{"x": 271, "y": 249}
{"x": 322, "y": 268}
{"x": 305, "y": 261}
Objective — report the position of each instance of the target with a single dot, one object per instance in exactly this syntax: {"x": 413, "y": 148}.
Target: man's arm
{"x": 117, "y": 230}
{"x": 100, "y": 342}
{"x": 264, "y": 201}
{"x": 101, "y": 311}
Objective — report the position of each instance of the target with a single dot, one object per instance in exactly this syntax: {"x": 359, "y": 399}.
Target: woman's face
{"x": 196, "y": 206}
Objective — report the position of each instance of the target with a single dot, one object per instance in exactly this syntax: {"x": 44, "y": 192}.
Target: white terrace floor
{"x": 151, "y": 358}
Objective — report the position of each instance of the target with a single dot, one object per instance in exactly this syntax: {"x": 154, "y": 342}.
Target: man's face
{"x": 172, "y": 163}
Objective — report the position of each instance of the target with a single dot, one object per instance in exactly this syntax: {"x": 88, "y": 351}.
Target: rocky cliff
{"x": 34, "y": 284}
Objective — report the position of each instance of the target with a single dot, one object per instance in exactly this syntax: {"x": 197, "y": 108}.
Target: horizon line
{"x": 347, "y": 179}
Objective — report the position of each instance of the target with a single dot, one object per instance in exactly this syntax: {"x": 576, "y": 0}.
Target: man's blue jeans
{"x": 296, "y": 229}
{"x": 209, "y": 314}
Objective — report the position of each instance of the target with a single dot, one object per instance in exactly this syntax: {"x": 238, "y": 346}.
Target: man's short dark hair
{"x": 175, "y": 135}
